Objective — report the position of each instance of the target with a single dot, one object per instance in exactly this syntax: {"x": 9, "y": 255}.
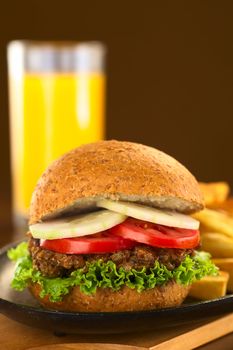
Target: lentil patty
{"x": 54, "y": 264}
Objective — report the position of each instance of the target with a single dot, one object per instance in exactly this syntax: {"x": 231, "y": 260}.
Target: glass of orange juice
{"x": 57, "y": 98}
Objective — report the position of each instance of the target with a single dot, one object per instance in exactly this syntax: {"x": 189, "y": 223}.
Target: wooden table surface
{"x": 14, "y": 336}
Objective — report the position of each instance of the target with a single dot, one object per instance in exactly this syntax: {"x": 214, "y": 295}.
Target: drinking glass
{"x": 57, "y": 102}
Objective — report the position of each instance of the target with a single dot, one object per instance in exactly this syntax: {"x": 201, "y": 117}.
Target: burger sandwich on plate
{"x": 110, "y": 230}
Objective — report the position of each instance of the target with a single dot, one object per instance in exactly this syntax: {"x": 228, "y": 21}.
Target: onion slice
{"x": 156, "y": 216}
{"x": 77, "y": 226}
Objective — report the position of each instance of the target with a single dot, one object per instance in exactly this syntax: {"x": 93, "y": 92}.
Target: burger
{"x": 110, "y": 230}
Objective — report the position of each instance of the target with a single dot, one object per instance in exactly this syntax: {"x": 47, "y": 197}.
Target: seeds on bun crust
{"x": 107, "y": 300}
{"x": 115, "y": 170}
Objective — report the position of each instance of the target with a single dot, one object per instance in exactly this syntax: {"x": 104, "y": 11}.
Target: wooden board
{"x": 14, "y": 336}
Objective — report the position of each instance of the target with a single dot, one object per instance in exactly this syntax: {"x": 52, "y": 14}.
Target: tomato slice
{"x": 100, "y": 243}
{"x": 156, "y": 235}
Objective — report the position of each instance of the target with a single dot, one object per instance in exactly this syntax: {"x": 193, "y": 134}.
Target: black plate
{"x": 23, "y": 308}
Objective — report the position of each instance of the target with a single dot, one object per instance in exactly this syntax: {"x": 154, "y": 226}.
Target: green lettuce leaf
{"x": 99, "y": 274}
{"x": 21, "y": 251}
{"x": 195, "y": 268}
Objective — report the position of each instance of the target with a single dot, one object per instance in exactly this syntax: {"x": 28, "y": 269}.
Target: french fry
{"x": 215, "y": 221}
{"x": 210, "y": 287}
{"x": 217, "y": 244}
{"x": 226, "y": 206}
{"x": 214, "y": 192}
{"x": 226, "y": 265}
{"x": 217, "y": 238}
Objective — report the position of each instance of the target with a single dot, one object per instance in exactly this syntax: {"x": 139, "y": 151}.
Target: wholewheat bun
{"x": 126, "y": 299}
{"x": 116, "y": 170}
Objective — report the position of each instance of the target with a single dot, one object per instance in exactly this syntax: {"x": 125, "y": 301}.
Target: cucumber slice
{"x": 141, "y": 212}
{"x": 77, "y": 226}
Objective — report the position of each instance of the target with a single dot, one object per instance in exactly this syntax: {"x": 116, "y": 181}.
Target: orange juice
{"x": 51, "y": 113}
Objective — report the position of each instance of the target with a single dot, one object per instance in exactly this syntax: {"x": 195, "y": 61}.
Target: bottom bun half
{"x": 107, "y": 300}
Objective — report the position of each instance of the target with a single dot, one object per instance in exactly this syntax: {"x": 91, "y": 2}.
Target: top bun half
{"x": 116, "y": 170}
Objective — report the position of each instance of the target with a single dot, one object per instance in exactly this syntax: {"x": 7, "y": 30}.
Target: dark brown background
{"x": 170, "y": 81}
